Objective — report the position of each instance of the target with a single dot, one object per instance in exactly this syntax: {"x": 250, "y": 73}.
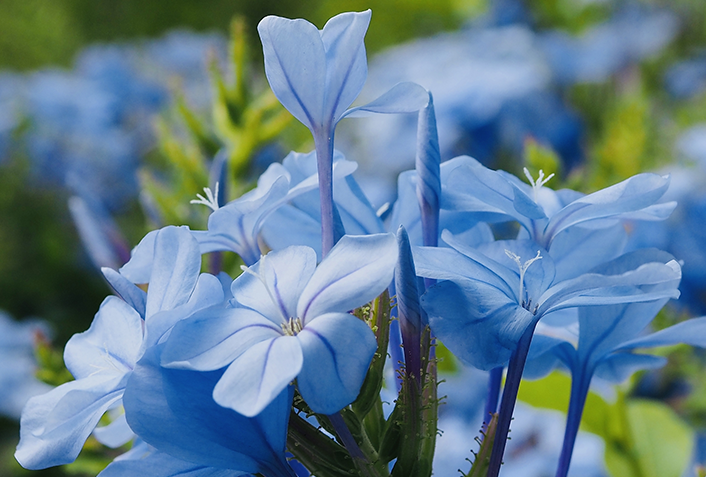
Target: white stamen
{"x": 539, "y": 183}
{"x": 211, "y": 199}
{"x": 292, "y": 327}
{"x": 523, "y": 268}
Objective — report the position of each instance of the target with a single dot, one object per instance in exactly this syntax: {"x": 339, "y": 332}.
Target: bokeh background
{"x": 111, "y": 114}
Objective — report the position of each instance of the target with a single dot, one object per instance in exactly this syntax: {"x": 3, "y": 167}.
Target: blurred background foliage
{"x": 625, "y": 122}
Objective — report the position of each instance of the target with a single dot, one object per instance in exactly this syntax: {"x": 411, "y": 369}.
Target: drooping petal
{"x": 259, "y": 375}
{"x": 691, "y": 332}
{"x": 405, "y": 97}
{"x": 55, "y": 425}
{"x": 295, "y": 65}
{"x": 337, "y": 349}
{"x": 173, "y": 410}
{"x": 618, "y": 367}
{"x": 213, "y": 338}
{"x": 356, "y": 270}
{"x": 111, "y": 346}
{"x": 273, "y": 286}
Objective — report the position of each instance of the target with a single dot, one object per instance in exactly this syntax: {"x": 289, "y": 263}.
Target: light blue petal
{"x": 272, "y": 287}
{"x": 139, "y": 268}
{"x": 116, "y": 434}
{"x": 546, "y": 354}
{"x": 606, "y": 328}
{"x": 493, "y": 197}
{"x": 207, "y": 292}
{"x": 358, "y": 216}
{"x": 259, "y": 375}
{"x": 651, "y": 281}
{"x": 355, "y": 271}
{"x": 111, "y": 346}
{"x": 631, "y": 195}
{"x": 127, "y": 290}
{"x": 159, "y": 464}
{"x": 173, "y": 410}
{"x": 295, "y": 65}
{"x": 337, "y": 349}
{"x": 618, "y": 367}
{"x": 577, "y": 250}
{"x": 527, "y": 206}
{"x": 54, "y": 426}
{"x": 213, "y": 338}
{"x": 449, "y": 264}
{"x": 691, "y": 332}
{"x": 476, "y": 321}
{"x": 346, "y": 63}
{"x": 404, "y": 97}
{"x": 289, "y": 225}
{"x": 175, "y": 270}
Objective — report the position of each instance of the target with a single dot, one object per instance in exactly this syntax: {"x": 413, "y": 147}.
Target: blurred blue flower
{"x": 491, "y": 92}
{"x": 630, "y": 36}
{"x": 17, "y": 380}
{"x": 686, "y": 78}
{"x": 91, "y": 124}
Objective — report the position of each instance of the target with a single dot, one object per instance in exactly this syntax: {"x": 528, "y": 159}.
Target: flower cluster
{"x": 279, "y": 371}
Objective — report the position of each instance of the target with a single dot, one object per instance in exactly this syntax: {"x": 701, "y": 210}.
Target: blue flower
{"x": 55, "y": 425}
{"x": 290, "y": 320}
{"x": 316, "y": 75}
{"x": 173, "y": 410}
{"x": 17, "y": 380}
{"x": 563, "y": 221}
{"x": 492, "y": 295}
{"x": 299, "y": 221}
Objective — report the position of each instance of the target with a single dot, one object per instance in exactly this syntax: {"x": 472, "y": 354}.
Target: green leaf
{"x": 659, "y": 445}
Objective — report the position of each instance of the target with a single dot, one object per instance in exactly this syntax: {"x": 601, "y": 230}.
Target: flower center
{"x": 525, "y": 303}
{"x": 292, "y": 327}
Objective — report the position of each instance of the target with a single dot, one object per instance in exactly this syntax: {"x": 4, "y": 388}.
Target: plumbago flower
{"x": 603, "y": 348}
{"x": 289, "y": 320}
{"x": 55, "y": 425}
{"x": 492, "y": 298}
{"x": 562, "y": 222}
{"x": 316, "y": 75}
{"x": 236, "y": 226}
{"x": 493, "y": 294}
{"x": 298, "y": 222}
